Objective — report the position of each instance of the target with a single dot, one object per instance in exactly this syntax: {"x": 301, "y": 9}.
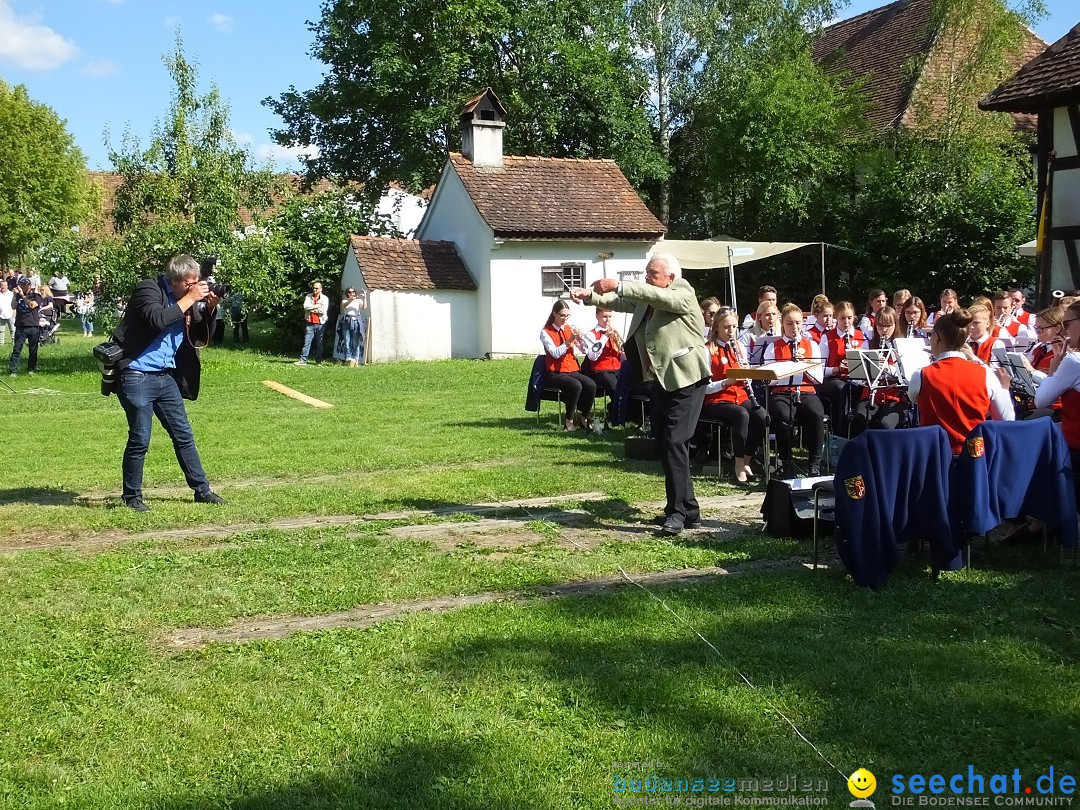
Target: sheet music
{"x": 1018, "y": 373}
{"x": 912, "y": 354}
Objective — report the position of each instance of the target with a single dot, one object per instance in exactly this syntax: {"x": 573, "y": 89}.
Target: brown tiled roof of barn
{"x": 557, "y": 198}
{"x": 1051, "y": 79}
{"x": 410, "y": 264}
{"x": 887, "y": 49}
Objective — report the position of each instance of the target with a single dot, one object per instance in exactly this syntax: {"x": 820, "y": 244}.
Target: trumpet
{"x": 614, "y": 339}
{"x": 1003, "y": 319}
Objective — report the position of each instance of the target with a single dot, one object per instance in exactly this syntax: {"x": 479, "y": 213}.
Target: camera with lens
{"x": 206, "y": 273}
{"x": 108, "y": 356}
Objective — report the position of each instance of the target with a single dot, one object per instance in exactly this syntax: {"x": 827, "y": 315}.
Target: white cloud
{"x": 100, "y": 68}
{"x": 172, "y": 21}
{"x": 27, "y": 44}
{"x": 283, "y": 157}
{"x": 222, "y": 22}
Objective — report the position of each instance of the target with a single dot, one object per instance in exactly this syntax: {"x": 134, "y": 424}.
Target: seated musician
{"x": 766, "y": 325}
{"x": 898, "y": 299}
{"x": 1004, "y": 319}
{"x": 792, "y": 398}
{"x": 603, "y": 348}
{"x": 1064, "y": 383}
{"x": 1019, "y": 298}
{"x": 875, "y": 301}
{"x": 950, "y": 302}
{"x": 709, "y": 307}
{"x": 953, "y": 391}
{"x": 766, "y": 293}
{"x": 982, "y": 337}
{"x": 821, "y": 318}
{"x": 1039, "y": 356}
{"x": 833, "y": 347}
{"x": 914, "y": 323}
{"x": 563, "y": 372}
{"x": 886, "y": 411}
{"x": 730, "y": 401}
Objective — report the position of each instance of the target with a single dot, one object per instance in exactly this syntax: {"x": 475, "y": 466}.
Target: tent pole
{"x": 822, "y": 268}
{"x": 731, "y": 279}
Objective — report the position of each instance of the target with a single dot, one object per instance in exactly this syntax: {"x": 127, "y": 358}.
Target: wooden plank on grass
{"x": 289, "y": 392}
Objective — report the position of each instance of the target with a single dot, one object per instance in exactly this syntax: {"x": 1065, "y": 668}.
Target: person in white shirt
{"x": 949, "y": 301}
{"x": 1018, "y": 299}
{"x": 766, "y": 293}
{"x": 316, "y": 305}
{"x": 874, "y": 302}
{"x": 7, "y": 311}
{"x": 1009, "y": 323}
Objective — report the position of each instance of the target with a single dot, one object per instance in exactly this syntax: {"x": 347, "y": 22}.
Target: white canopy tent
{"x": 707, "y": 254}
{"x": 1027, "y": 249}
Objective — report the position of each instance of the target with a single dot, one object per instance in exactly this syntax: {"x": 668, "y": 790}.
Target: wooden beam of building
{"x": 289, "y": 392}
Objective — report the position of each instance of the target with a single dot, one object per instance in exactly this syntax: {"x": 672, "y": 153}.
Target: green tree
{"x": 400, "y": 73}
{"x": 193, "y": 190}
{"x": 43, "y": 186}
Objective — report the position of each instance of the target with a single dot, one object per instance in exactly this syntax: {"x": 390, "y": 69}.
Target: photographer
{"x": 27, "y": 329}
{"x": 159, "y": 369}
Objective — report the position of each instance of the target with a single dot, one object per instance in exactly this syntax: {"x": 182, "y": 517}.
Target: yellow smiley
{"x": 861, "y": 783}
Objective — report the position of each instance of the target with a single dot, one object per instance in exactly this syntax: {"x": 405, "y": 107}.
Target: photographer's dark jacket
{"x": 26, "y": 317}
{"x": 148, "y": 313}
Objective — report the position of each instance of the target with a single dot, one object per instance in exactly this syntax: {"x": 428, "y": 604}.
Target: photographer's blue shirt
{"x": 161, "y": 353}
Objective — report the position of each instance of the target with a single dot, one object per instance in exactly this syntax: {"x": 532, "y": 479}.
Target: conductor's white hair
{"x": 672, "y": 264}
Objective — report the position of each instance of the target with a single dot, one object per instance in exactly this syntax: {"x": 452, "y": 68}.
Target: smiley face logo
{"x": 861, "y": 783}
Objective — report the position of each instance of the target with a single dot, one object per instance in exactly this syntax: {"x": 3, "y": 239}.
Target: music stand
{"x": 1019, "y": 376}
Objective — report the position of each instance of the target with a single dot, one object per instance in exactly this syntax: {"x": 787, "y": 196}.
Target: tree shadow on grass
{"x": 43, "y": 496}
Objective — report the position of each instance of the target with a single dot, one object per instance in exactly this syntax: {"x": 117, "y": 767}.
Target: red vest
{"x": 1026, "y": 318}
{"x": 815, "y": 332}
{"x": 609, "y": 358}
{"x": 723, "y": 358}
{"x": 782, "y": 351}
{"x": 1070, "y": 418}
{"x": 1041, "y": 356}
{"x": 985, "y": 350}
{"x": 836, "y": 346}
{"x": 1013, "y": 328}
{"x": 953, "y": 394}
{"x": 568, "y": 362}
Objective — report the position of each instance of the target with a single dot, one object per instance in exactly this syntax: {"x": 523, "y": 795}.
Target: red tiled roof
{"x": 410, "y": 264}
{"x": 1051, "y": 79}
{"x": 887, "y": 49}
{"x": 554, "y": 198}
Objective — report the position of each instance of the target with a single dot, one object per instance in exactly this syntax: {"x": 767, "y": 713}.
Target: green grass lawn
{"x": 494, "y": 706}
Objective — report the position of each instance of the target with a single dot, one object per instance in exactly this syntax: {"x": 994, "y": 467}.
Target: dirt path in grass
{"x": 516, "y": 529}
{"x": 365, "y": 616}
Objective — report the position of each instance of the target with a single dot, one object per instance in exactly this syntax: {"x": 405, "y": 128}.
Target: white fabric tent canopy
{"x": 1027, "y": 249}
{"x": 706, "y": 254}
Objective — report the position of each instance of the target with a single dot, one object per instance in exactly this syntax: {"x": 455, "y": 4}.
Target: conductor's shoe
{"x": 137, "y": 505}
{"x": 209, "y": 497}
{"x": 673, "y": 525}
{"x": 688, "y": 523}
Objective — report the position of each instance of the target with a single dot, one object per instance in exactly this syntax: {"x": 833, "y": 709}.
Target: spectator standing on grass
{"x": 7, "y": 311}
{"x": 352, "y": 314}
{"x": 84, "y": 306}
{"x": 27, "y": 330}
{"x": 316, "y": 305}
{"x": 239, "y": 316}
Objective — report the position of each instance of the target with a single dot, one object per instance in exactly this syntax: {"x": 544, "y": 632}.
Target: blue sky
{"x": 97, "y": 63}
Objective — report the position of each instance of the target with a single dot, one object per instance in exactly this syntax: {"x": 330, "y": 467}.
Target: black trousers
{"x": 747, "y": 423}
{"x": 30, "y": 336}
{"x": 810, "y": 413}
{"x": 675, "y": 417}
{"x": 834, "y": 391}
{"x": 879, "y": 417}
{"x": 578, "y": 391}
{"x": 606, "y": 381}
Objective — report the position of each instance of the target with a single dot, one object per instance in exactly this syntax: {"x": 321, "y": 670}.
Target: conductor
{"x": 663, "y": 346}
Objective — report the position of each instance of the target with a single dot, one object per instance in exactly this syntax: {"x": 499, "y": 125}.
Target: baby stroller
{"x": 49, "y": 323}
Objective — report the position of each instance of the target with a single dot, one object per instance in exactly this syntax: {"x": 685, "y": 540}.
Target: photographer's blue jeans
{"x": 352, "y": 339}
{"x": 313, "y": 333}
{"x": 143, "y": 396}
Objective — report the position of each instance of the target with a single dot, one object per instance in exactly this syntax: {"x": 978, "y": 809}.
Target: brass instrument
{"x": 614, "y": 338}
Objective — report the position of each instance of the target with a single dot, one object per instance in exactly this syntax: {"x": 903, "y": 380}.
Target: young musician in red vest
{"x": 950, "y": 302}
{"x": 1064, "y": 382}
{"x": 603, "y": 348}
{"x": 1003, "y": 317}
{"x": 1018, "y": 298}
{"x": 832, "y": 348}
{"x": 822, "y": 318}
{"x": 1040, "y": 355}
{"x": 982, "y": 337}
{"x": 795, "y": 397}
{"x": 765, "y": 294}
{"x": 954, "y": 391}
{"x": 875, "y": 301}
{"x": 913, "y": 324}
{"x": 731, "y": 401}
{"x": 563, "y": 372}
{"x": 887, "y": 409}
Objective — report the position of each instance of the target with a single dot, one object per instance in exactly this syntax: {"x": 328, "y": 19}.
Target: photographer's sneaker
{"x": 137, "y": 505}
{"x": 209, "y": 497}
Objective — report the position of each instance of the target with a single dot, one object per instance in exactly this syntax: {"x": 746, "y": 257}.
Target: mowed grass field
{"x": 507, "y": 704}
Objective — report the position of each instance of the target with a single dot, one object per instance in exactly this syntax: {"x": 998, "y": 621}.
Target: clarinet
{"x": 910, "y": 329}
{"x": 745, "y": 363}
{"x": 797, "y": 354}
